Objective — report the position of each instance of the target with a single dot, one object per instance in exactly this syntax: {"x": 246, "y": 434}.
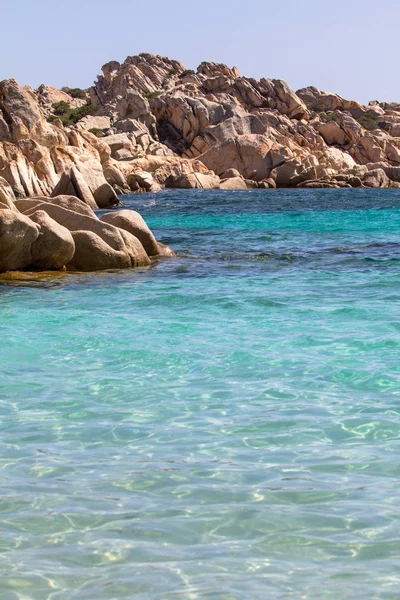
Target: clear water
{"x": 225, "y": 425}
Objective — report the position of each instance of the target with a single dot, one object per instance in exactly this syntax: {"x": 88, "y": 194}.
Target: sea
{"x": 224, "y": 425}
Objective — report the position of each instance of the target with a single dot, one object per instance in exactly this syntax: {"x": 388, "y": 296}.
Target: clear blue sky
{"x": 346, "y": 46}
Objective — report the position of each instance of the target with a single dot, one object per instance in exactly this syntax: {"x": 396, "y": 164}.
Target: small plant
{"x": 186, "y": 72}
{"x": 77, "y": 93}
{"x": 150, "y": 95}
{"x": 172, "y": 72}
{"x": 96, "y": 131}
{"x": 369, "y": 121}
{"x": 321, "y": 108}
{"x": 327, "y": 117}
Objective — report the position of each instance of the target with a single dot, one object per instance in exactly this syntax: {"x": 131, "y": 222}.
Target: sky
{"x": 350, "y": 47}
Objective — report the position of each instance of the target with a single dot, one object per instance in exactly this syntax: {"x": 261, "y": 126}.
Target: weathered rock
{"x": 23, "y": 116}
{"x": 91, "y": 122}
{"x": 64, "y": 187}
{"x": 352, "y": 180}
{"x": 47, "y": 96}
{"x": 17, "y": 234}
{"x": 248, "y": 154}
{"x": 145, "y": 181}
{"x": 27, "y": 205}
{"x": 92, "y": 253}
{"x": 81, "y": 188}
{"x": 194, "y": 181}
{"x": 149, "y": 107}
{"x": 325, "y": 101}
{"x": 234, "y": 183}
{"x": 116, "y": 249}
{"x": 250, "y": 184}
{"x": 7, "y": 197}
{"x": 105, "y": 196}
{"x": 165, "y": 251}
{"x": 332, "y": 133}
{"x": 376, "y": 178}
{"x": 270, "y": 182}
{"x": 132, "y": 221}
{"x": 230, "y": 174}
{"x": 55, "y": 247}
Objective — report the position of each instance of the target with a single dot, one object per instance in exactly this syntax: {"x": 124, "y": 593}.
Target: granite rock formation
{"x": 198, "y": 125}
{"x": 149, "y": 123}
{"x": 45, "y": 233}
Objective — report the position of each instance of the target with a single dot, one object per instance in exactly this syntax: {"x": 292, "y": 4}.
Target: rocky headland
{"x": 149, "y": 123}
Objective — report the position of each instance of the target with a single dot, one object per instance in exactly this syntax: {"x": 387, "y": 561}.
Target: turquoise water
{"x": 225, "y": 425}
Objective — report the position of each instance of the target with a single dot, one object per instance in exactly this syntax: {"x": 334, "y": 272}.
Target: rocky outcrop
{"x": 262, "y": 129}
{"x": 153, "y": 124}
{"x": 37, "y": 156}
{"x": 47, "y": 96}
{"x": 63, "y": 232}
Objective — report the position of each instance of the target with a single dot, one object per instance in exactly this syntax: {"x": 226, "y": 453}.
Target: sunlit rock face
{"x": 150, "y": 122}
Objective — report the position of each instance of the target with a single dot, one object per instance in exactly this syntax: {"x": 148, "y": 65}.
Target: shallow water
{"x": 225, "y": 425}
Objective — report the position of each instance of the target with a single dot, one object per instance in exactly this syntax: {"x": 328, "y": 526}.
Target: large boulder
{"x": 90, "y": 122}
{"x": 106, "y": 196}
{"x": 117, "y": 248}
{"x": 55, "y": 247}
{"x": 17, "y": 234}
{"x": 233, "y": 183}
{"x": 132, "y": 221}
{"x": 94, "y": 190}
{"x": 70, "y": 202}
{"x": 143, "y": 181}
{"x": 193, "y": 181}
{"x": 81, "y": 188}
{"x": 93, "y": 253}
{"x": 376, "y": 178}
{"x": 332, "y": 133}
{"x": 248, "y": 154}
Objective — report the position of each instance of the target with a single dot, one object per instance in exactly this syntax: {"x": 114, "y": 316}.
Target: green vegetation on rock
{"x": 369, "y": 121}
{"x": 97, "y": 131}
{"x": 186, "y": 72}
{"x": 326, "y": 117}
{"x": 172, "y": 72}
{"x": 150, "y": 95}
{"x": 68, "y": 115}
{"x": 77, "y": 93}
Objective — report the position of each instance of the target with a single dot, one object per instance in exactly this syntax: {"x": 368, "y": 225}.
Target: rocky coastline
{"x": 148, "y": 124}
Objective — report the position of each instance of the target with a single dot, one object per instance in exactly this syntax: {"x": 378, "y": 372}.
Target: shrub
{"x": 369, "y": 121}
{"x": 60, "y": 108}
{"x": 68, "y": 115}
{"x": 150, "y": 95}
{"x": 77, "y": 93}
{"x": 186, "y": 72}
{"x": 172, "y": 72}
{"x": 96, "y": 131}
{"x": 326, "y": 117}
